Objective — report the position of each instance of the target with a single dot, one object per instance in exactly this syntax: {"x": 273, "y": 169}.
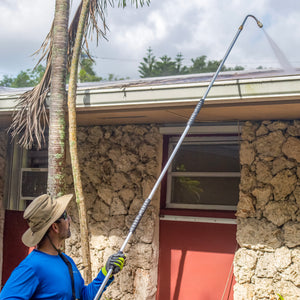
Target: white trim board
{"x": 197, "y": 219}
{"x": 196, "y": 129}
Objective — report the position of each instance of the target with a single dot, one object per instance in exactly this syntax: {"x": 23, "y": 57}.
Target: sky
{"x": 192, "y": 28}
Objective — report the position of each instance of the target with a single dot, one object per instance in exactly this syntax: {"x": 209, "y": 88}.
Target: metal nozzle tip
{"x": 259, "y": 24}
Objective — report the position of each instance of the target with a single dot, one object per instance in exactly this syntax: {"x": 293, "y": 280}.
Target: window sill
{"x": 198, "y": 213}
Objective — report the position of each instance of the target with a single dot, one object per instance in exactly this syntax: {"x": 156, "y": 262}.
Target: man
{"x": 47, "y": 273}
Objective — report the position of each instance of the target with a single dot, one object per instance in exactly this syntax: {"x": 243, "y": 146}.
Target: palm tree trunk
{"x": 85, "y": 248}
{"x": 57, "y": 127}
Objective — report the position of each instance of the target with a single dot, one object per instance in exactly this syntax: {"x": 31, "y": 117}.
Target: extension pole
{"x": 189, "y": 124}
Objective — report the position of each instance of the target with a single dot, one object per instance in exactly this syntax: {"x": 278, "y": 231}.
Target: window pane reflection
{"x": 205, "y": 190}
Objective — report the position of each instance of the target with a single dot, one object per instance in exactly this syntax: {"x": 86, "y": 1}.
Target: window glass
{"x": 205, "y": 190}
{"x": 221, "y": 157}
{"x": 204, "y": 174}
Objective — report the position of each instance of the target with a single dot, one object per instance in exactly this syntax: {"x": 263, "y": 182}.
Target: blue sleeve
{"x": 21, "y": 284}
{"x": 90, "y": 291}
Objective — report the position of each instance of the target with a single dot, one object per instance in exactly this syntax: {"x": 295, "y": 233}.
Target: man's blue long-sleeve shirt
{"x": 44, "y": 276}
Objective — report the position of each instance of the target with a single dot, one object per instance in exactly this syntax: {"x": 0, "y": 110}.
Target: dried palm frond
{"x": 96, "y": 11}
{"x": 30, "y": 117}
{"x": 45, "y": 50}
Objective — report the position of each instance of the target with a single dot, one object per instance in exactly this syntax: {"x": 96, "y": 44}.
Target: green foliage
{"x": 149, "y": 67}
{"x": 6, "y": 81}
{"x": 28, "y": 78}
{"x": 86, "y": 73}
{"x": 123, "y": 3}
{"x": 180, "y": 69}
{"x": 280, "y": 297}
{"x": 22, "y": 80}
{"x": 165, "y": 66}
{"x": 146, "y": 67}
{"x": 112, "y": 77}
{"x": 187, "y": 184}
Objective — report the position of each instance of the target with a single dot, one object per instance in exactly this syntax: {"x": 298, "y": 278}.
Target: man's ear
{"x": 55, "y": 227}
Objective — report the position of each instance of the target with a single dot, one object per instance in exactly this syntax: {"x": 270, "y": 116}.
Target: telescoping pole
{"x": 189, "y": 124}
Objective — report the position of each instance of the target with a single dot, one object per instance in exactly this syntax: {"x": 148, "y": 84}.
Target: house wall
{"x": 120, "y": 165}
{"x": 268, "y": 215}
{"x": 3, "y": 144}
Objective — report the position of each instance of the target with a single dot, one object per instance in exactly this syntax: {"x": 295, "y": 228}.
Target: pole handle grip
{"x": 139, "y": 215}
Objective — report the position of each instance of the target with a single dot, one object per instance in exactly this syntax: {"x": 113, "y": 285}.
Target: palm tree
{"x": 85, "y": 248}
{"x": 31, "y": 117}
{"x": 84, "y": 20}
{"x": 57, "y": 125}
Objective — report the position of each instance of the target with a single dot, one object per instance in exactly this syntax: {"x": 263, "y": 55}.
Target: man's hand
{"x": 114, "y": 262}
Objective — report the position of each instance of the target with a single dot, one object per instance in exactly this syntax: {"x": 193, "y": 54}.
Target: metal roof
{"x": 258, "y": 94}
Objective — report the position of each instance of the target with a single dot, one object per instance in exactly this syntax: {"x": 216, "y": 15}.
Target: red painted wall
{"x": 195, "y": 261}
{"x": 14, "y": 251}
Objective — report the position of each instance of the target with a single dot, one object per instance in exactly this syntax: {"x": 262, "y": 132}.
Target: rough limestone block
{"x": 258, "y": 234}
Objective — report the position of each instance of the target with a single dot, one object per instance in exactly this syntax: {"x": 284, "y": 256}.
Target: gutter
{"x": 223, "y": 92}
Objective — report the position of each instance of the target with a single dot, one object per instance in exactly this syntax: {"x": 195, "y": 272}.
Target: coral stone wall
{"x": 3, "y": 145}
{"x": 268, "y": 231}
{"x": 120, "y": 165}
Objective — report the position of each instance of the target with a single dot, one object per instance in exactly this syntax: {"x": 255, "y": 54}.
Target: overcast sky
{"x": 192, "y": 27}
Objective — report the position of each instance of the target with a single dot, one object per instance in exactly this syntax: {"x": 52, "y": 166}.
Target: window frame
{"x": 18, "y": 160}
{"x": 198, "y": 140}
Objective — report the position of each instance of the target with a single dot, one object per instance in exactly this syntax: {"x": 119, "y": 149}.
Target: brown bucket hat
{"x": 40, "y": 214}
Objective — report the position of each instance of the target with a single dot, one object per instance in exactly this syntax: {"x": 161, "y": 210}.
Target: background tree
{"x": 86, "y": 73}
{"x": 201, "y": 65}
{"x": 212, "y": 66}
{"x": 165, "y": 66}
{"x": 180, "y": 69}
{"x": 26, "y": 78}
{"x": 22, "y": 80}
{"x": 198, "y": 65}
{"x": 147, "y": 65}
{"x": 6, "y": 81}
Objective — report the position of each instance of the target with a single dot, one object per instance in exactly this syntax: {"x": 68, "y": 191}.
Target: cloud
{"x": 24, "y": 25}
{"x": 192, "y": 27}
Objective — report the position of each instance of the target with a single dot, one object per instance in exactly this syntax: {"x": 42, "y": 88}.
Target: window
{"x": 205, "y": 173}
{"x": 26, "y": 175}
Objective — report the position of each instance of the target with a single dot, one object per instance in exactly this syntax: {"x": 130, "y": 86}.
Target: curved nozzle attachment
{"x": 257, "y": 21}
{"x": 259, "y": 24}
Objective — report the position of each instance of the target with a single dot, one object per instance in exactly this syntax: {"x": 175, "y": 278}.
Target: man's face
{"x": 64, "y": 226}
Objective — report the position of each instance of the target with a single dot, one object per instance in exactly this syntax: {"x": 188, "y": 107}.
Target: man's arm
{"x": 116, "y": 262}
{"x": 21, "y": 284}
